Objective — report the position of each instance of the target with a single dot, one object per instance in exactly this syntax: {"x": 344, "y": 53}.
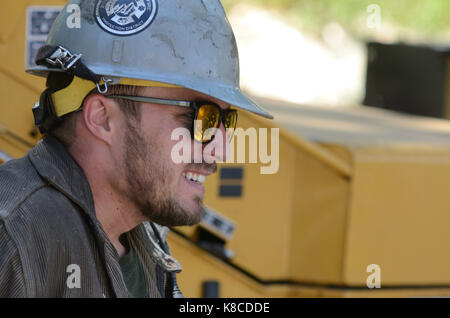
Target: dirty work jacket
{"x": 52, "y": 244}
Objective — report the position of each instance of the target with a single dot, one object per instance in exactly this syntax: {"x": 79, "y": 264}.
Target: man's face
{"x": 152, "y": 181}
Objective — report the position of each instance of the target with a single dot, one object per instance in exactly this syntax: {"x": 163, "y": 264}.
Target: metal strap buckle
{"x": 63, "y": 58}
{"x": 103, "y": 90}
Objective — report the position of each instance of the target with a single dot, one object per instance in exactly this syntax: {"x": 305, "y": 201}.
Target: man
{"x": 85, "y": 213}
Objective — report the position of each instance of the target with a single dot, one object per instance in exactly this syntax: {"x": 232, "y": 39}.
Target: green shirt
{"x": 133, "y": 275}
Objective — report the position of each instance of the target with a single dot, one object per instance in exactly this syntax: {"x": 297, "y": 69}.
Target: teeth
{"x": 195, "y": 177}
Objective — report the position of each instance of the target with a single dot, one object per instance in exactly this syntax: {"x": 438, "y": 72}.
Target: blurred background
{"x": 359, "y": 206}
{"x": 320, "y": 46}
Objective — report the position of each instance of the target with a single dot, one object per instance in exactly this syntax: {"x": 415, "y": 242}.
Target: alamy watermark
{"x": 74, "y": 278}
{"x": 374, "y": 19}
{"x": 374, "y": 279}
{"x": 236, "y": 150}
{"x": 73, "y": 21}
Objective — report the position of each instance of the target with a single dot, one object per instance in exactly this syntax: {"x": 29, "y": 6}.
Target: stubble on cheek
{"x": 150, "y": 185}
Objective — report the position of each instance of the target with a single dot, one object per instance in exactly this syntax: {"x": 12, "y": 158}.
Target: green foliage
{"x": 426, "y": 17}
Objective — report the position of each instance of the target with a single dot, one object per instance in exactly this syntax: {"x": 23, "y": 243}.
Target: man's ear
{"x": 101, "y": 117}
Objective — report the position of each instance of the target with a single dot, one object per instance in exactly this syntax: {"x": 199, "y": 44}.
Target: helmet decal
{"x": 125, "y": 17}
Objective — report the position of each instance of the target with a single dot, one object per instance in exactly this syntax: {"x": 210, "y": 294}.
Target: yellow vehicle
{"x": 360, "y": 198}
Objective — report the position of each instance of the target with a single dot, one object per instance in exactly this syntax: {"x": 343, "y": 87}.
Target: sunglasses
{"x": 206, "y": 117}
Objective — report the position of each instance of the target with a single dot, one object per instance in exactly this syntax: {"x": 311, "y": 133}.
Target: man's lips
{"x": 199, "y": 172}
{"x": 196, "y": 176}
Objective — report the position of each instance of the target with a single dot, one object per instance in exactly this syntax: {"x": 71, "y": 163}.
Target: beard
{"x": 148, "y": 185}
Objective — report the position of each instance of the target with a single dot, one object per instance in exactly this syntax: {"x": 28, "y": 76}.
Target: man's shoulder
{"x": 32, "y": 210}
{"x": 25, "y": 195}
{"x": 18, "y": 181}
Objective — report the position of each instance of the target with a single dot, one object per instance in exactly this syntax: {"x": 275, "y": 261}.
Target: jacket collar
{"x": 55, "y": 165}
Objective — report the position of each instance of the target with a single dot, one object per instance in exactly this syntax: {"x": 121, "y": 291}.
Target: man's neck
{"x": 116, "y": 217}
{"x": 115, "y": 213}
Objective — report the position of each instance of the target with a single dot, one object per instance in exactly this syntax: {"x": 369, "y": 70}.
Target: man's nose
{"x": 220, "y": 145}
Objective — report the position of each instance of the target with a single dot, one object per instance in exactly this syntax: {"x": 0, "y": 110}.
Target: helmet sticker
{"x": 125, "y": 17}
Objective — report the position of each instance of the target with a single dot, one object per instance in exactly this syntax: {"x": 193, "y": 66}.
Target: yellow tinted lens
{"x": 206, "y": 123}
{"x": 230, "y": 124}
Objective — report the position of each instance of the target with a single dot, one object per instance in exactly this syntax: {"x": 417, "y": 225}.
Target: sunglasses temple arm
{"x": 169, "y": 102}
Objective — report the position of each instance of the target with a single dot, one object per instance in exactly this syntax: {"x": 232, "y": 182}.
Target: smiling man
{"x": 86, "y": 212}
